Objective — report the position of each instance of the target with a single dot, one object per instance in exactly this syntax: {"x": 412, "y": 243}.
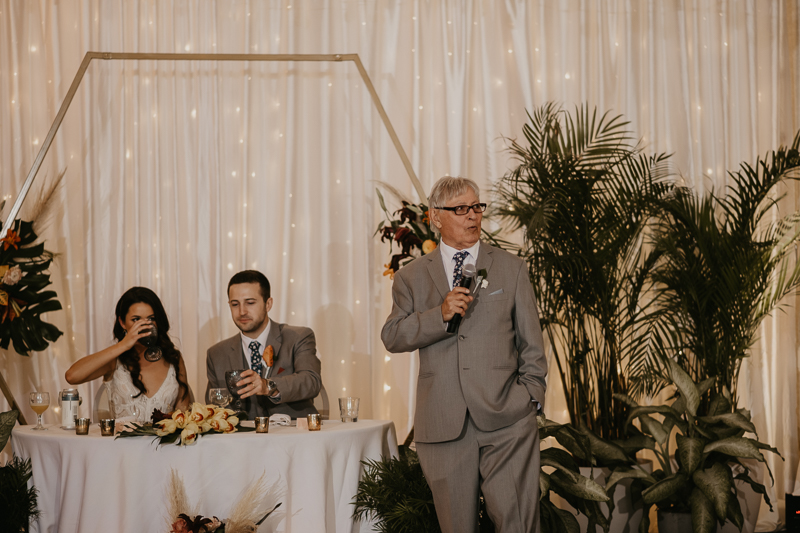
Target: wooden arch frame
{"x": 37, "y": 163}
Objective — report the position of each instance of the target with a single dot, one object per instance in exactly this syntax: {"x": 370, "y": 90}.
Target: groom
{"x": 285, "y": 383}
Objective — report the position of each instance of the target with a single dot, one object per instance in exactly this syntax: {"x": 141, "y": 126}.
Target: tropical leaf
{"x": 703, "y": 516}
{"x": 690, "y": 451}
{"x": 8, "y": 420}
{"x": 664, "y": 488}
{"x": 716, "y": 483}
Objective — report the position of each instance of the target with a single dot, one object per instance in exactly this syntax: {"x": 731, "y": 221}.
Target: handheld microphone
{"x": 468, "y": 273}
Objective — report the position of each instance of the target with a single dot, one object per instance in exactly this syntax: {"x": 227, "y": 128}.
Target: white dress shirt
{"x": 262, "y": 345}
{"x": 450, "y": 264}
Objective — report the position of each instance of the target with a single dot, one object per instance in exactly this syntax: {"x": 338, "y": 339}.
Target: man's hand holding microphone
{"x": 457, "y": 301}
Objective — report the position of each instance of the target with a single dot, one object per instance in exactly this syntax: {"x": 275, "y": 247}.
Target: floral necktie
{"x": 255, "y": 357}
{"x": 459, "y": 257}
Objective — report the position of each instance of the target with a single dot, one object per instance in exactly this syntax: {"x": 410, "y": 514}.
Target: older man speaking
{"x": 479, "y": 388}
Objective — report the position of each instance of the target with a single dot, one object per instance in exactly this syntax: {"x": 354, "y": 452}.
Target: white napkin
{"x": 280, "y": 419}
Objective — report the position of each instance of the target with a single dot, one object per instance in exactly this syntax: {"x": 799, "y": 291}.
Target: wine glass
{"x": 40, "y": 401}
{"x": 220, "y": 397}
{"x": 232, "y": 377}
{"x": 153, "y": 352}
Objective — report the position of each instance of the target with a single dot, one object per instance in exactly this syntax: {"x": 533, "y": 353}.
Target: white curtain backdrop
{"x": 179, "y": 174}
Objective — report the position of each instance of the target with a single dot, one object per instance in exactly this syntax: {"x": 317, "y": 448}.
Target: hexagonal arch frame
{"x": 37, "y": 163}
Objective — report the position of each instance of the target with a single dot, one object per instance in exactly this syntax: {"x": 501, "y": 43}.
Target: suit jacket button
{"x": 461, "y": 337}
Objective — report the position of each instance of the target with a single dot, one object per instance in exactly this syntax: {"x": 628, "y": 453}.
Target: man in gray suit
{"x": 285, "y": 382}
{"x": 479, "y": 388}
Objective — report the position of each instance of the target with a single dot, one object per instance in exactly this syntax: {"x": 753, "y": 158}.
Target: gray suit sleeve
{"x": 407, "y": 329}
{"x": 305, "y": 382}
{"x": 529, "y": 341}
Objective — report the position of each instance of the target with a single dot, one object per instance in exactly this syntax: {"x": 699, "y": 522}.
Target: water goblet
{"x": 40, "y": 401}
{"x": 220, "y": 397}
{"x": 153, "y": 352}
{"x": 232, "y": 377}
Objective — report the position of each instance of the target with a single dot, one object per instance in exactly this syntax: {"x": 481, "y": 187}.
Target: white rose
{"x": 12, "y": 276}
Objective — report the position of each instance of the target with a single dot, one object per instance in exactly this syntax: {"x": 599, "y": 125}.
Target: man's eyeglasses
{"x": 464, "y": 209}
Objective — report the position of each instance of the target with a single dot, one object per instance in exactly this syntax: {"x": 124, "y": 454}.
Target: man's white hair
{"x": 447, "y": 188}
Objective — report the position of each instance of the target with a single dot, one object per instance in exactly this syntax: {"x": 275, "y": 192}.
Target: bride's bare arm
{"x": 102, "y": 363}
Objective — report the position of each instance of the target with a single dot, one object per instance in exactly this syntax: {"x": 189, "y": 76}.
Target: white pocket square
{"x": 498, "y": 291}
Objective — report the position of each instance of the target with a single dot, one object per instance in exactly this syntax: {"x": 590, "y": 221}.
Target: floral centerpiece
{"x": 23, "y": 300}
{"x": 409, "y": 229}
{"x": 183, "y": 427}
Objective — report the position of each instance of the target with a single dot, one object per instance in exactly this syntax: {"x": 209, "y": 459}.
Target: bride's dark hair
{"x": 136, "y": 295}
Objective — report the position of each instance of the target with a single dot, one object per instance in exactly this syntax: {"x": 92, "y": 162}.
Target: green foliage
{"x": 17, "y": 501}
{"x": 393, "y": 492}
{"x": 725, "y": 262}
{"x": 583, "y": 192}
{"x": 22, "y": 303}
{"x": 8, "y": 420}
{"x": 708, "y": 442}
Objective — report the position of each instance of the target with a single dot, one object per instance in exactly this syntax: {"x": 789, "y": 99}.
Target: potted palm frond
{"x": 583, "y": 192}
{"x": 725, "y": 263}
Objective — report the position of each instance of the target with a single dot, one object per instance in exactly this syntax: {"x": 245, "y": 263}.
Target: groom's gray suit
{"x": 295, "y": 370}
{"x": 493, "y": 370}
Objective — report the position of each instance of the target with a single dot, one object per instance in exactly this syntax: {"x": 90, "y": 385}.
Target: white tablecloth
{"x": 100, "y": 484}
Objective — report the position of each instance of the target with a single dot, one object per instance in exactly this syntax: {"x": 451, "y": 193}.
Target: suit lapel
{"x": 436, "y": 271}
{"x": 235, "y": 353}
{"x": 484, "y": 261}
{"x": 274, "y": 340}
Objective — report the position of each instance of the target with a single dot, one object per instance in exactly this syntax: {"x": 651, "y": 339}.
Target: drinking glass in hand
{"x": 219, "y": 397}
{"x": 40, "y": 401}
{"x": 232, "y": 377}
{"x": 153, "y": 352}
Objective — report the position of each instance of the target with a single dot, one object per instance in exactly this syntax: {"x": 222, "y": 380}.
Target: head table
{"x": 98, "y": 484}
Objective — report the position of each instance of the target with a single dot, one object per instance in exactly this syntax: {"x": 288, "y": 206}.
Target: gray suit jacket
{"x": 494, "y": 366}
{"x": 296, "y": 370}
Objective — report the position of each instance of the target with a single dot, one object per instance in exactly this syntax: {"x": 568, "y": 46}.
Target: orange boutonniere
{"x": 11, "y": 239}
{"x": 268, "y": 355}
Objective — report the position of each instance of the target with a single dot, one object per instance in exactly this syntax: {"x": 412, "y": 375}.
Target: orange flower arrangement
{"x": 409, "y": 229}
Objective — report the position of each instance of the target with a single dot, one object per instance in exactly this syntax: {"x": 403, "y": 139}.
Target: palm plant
{"x": 725, "y": 262}
{"x": 583, "y": 192}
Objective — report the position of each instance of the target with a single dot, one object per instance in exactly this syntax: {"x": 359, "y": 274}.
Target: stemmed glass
{"x": 232, "y": 377}
{"x": 220, "y": 397}
{"x": 153, "y": 352}
{"x": 40, "y": 401}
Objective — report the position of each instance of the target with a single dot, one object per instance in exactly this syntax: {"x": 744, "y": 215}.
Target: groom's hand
{"x": 251, "y": 384}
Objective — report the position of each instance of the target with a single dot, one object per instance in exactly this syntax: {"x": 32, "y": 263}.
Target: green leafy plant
{"x": 23, "y": 300}
{"x": 708, "y": 443}
{"x": 18, "y": 503}
{"x": 394, "y": 494}
{"x": 565, "y": 480}
{"x": 725, "y": 263}
{"x": 583, "y": 192}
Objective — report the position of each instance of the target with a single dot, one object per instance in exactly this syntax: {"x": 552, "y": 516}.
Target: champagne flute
{"x": 40, "y": 401}
{"x": 153, "y": 352}
{"x": 220, "y": 397}
{"x": 232, "y": 377}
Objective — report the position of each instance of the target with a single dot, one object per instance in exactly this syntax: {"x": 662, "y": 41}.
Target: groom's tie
{"x": 255, "y": 357}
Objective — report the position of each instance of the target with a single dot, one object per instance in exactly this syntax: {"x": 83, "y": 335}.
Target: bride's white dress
{"x": 121, "y": 391}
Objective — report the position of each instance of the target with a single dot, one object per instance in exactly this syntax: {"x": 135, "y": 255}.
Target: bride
{"x": 137, "y": 386}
